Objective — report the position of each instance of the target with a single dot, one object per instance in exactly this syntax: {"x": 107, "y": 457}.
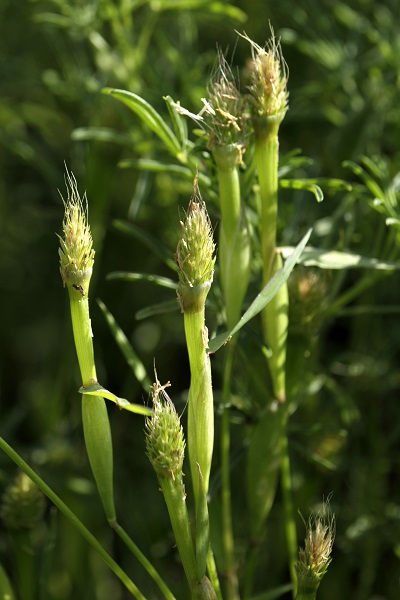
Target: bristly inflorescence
{"x": 315, "y": 558}
{"x": 76, "y": 251}
{"x": 268, "y": 74}
{"x": 194, "y": 254}
{"x": 224, "y": 109}
{"x": 165, "y": 443}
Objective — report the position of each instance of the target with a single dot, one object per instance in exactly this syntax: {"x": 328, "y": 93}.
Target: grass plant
{"x": 275, "y": 319}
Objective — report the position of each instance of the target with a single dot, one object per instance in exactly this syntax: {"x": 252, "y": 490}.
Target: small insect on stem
{"x": 79, "y": 288}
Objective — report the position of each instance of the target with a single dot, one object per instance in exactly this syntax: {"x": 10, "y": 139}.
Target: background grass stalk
{"x": 290, "y": 524}
{"x": 67, "y": 512}
{"x": 232, "y": 584}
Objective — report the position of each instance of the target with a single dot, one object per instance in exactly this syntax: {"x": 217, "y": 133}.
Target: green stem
{"x": 83, "y": 336}
{"x": 62, "y": 507}
{"x": 266, "y": 153}
{"x": 213, "y": 573}
{"x": 200, "y": 403}
{"x": 290, "y": 525}
{"x": 229, "y": 195}
{"x": 275, "y": 314}
{"x": 138, "y": 554}
{"x": 250, "y": 567}
{"x": 25, "y": 561}
{"x": 232, "y": 586}
{"x": 175, "y": 499}
{"x": 234, "y": 245}
{"x": 96, "y": 424}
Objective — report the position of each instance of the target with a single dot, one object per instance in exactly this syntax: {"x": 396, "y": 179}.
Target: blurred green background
{"x": 55, "y": 58}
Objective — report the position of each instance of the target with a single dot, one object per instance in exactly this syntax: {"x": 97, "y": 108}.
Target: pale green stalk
{"x": 269, "y": 102}
{"x": 275, "y": 314}
{"x": 56, "y": 500}
{"x": 175, "y": 499}
{"x": 235, "y": 271}
{"x": 224, "y": 116}
{"x": 96, "y": 424}
{"x": 200, "y": 401}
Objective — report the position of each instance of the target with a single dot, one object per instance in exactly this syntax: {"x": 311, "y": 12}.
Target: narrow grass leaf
{"x": 150, "y": 116}
{"x": 333, "y": 259}
{"x": 157, "y": 309}
{"x": 265, "y": 296}
{"x": 147, "y": 164}
{"x": 303, "y": 184}
{"x": 218, "y": 8}
{"x": 101, "y": 134}
{"x": 369, "y": 181}
{"x": 149, "y": 241}
{"x": 124, "y": 345}
{"x": 96, "y": 389}
{"x": 328, "y": 183}
{"x": 157, "y": 279}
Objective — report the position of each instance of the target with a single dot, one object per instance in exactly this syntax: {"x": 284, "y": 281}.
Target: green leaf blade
{"x": 96, "y": 389}
{"x": 150, "y": 116}
{"x": 265, "y": 296}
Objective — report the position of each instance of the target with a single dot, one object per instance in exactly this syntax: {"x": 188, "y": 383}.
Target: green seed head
{"x": 224, "y": 112}
{"x": 194, "y": 254}
{"x": 23, "y": 504}
{"x": 268, "y": 73}
{"x": 315, "y": 558}
{"x": 76, "y": 251}
{"x": 165, "y": 443}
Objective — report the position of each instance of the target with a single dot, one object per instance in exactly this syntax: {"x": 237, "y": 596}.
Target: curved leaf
{"x": 303, "y": 184}
{"x": 95, "y": 389}
{"x": 151, "y": 117}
